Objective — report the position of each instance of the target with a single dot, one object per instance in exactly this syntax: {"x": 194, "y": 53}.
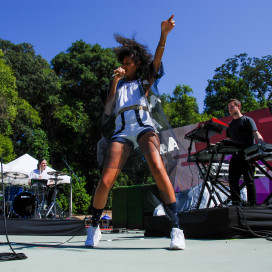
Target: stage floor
{"x": 131, "y": 251}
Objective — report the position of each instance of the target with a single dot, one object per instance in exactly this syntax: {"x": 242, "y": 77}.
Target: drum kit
{"x": 39, "y": 200}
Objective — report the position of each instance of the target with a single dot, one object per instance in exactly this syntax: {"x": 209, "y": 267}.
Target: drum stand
{"x": 10, "y": 196}
{"x": 54, "y": 210}
{"x": 8, "y": 201}
{"x": 40, "y": 210}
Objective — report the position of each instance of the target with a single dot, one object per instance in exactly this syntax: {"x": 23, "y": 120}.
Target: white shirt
{"x": 36, "y": 174}
{"x": 129, "y": 94}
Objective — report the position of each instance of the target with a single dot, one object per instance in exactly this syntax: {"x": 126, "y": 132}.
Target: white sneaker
{"x": 159, "y": 211}
{"x": 93, "y": 236}
{"x": 177, "y": 239}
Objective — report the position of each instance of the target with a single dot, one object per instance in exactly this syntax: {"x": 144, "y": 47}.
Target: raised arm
{"x": 166, "y": 27}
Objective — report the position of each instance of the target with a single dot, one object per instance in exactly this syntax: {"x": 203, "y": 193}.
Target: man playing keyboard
{"x": 242, "y": 129}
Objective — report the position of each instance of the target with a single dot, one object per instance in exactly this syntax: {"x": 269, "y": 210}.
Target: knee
{"x": 104, "y": 185}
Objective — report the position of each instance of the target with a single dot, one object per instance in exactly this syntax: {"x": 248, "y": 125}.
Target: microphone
{"x": 115, "y": 74}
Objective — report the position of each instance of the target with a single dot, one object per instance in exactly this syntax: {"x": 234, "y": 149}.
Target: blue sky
{"x": 207, "y": 32}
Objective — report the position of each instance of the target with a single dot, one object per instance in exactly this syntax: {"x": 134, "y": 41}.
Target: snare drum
{"x": 24, "y": 204}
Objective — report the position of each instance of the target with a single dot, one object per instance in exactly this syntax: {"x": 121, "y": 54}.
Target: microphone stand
{"x": 71, "y": 189}
{"x": 7, "y": 256}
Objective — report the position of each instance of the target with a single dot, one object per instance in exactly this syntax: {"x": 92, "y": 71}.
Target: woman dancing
{"x": 134, "y": 128}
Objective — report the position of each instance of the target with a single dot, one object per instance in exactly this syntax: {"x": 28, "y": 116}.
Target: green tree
{"x": 6, "y": 148}
{"x": 8, "y": 97}
{"x": 36, "y": 144}
{"x": 182, "y": 108}
{"x": 38, "y": 89}
{"x": 15, "y": 112}
{"x": 81, "y": 199}
{"x": 36, "y": 82}
{"x": 241, "y": 77}
{"x": 84, "y": 71}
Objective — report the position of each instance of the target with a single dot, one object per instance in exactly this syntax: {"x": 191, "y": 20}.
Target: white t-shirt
{"x": 36, "y": 174}
{"x": 129, "y": 94}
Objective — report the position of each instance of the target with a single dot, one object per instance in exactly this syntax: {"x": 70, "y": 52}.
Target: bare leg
{"x": 150, "y": 146}
{"x": 117, "y": 155}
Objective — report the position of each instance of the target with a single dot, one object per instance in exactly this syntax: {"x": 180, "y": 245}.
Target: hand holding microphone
{"x": 119, "y": 72}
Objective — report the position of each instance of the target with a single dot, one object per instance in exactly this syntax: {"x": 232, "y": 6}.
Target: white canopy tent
{"x": 25, "y": 164}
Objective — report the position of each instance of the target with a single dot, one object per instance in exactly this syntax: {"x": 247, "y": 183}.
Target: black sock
{"x": 96, "y": 214}
{"x": 172, "y": 212}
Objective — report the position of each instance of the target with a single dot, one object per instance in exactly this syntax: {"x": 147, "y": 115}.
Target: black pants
{"x": 238, "y": 167}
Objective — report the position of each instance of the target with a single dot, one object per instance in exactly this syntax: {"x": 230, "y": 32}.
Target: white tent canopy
{"x": 25, "y": 164}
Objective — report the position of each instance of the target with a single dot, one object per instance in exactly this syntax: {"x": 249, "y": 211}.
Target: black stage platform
{"x": 43, "y": 227}
{"x": 216, "y": 223}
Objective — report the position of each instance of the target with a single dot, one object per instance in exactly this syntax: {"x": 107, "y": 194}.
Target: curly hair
{"x": 138, "y": 52}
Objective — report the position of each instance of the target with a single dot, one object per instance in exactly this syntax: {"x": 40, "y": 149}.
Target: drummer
{"x": 40, "y": 172}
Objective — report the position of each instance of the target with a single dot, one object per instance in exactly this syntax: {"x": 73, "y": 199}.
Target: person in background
{"x": 243, "y": 130}
{"x": 40, "y": 172}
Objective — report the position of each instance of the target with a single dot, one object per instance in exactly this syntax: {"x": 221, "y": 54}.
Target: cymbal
{"x": 57, "y": 173}
{"x": 16, "y": 175}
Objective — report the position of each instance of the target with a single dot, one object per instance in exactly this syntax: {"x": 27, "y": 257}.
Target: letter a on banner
{"x": 172, "y": 144}
{"x": 163, "y": 149}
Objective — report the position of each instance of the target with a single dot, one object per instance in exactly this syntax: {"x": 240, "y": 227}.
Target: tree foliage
{"x": 182, "y": 108}
{"x": 81, "y": 199}
{"x": 36, "y": 81}
{"x": 84, "y": 72}
{"x": 16, "y": 114}
{"x": 8, "y": 112}
{"x": 6, "y": 148}
{"x": 247, "y": 79}
{"x": 34, "y": 85}
{"x": 8, "y": 97}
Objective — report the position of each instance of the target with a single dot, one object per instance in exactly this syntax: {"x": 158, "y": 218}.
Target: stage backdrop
{"x": 184, "y": 175}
